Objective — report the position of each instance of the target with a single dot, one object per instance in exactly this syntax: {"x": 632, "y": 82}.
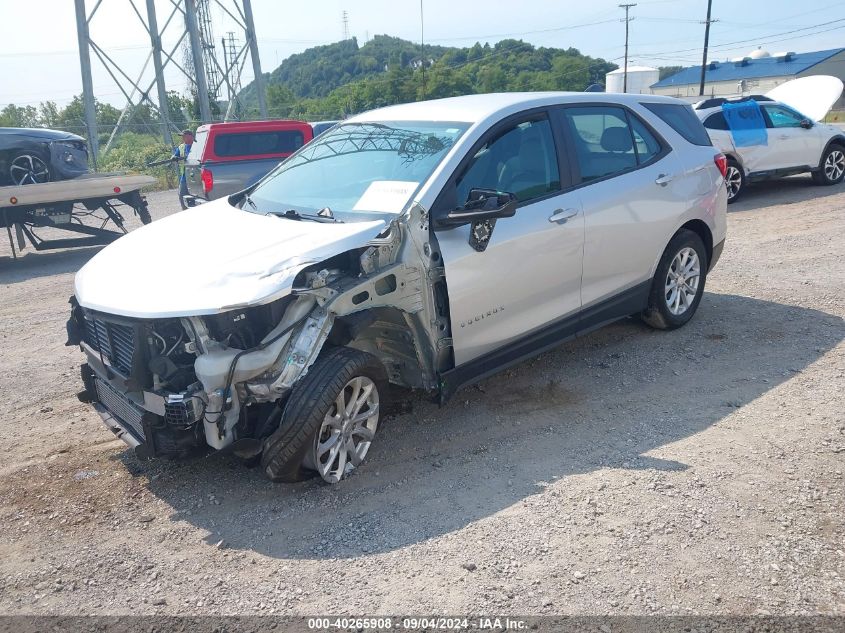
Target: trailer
{"x": 88, "y": 207}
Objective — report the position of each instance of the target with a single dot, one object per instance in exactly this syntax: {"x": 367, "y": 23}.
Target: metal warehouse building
{"x": 756, "y": 73}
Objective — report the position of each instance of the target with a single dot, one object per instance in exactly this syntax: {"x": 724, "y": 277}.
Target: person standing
{"x": 180, "y": 153}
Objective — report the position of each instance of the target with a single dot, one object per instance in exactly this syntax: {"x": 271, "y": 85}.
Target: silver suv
{"x": 425, "y": 245}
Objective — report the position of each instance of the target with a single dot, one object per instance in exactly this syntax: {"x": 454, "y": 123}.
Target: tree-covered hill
{"x": 336, "y": 80}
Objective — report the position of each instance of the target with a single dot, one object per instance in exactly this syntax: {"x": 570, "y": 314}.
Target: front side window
{"x": 779, "y": 116}
{"x": 521, "y": 160}
{"x": 357, "y": 169}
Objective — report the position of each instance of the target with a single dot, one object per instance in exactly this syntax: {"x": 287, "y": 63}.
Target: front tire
{"x": 832, "y": 167}
{"x": 330, "y": 419}
{"x": 28, "y": 168}
{"x": 678, "y": 283}
{"x": 734, "y": 181}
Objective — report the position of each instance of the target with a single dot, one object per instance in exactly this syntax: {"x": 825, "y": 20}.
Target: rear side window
{"x": 609, "y": 141}
{"x": 198, "y": 146}
{"x": 682, "y": 119}
{"x": 716, "y": 121}
{"x": 258, "y": 143}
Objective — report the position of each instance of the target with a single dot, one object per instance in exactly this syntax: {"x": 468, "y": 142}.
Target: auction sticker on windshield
{"x": 386, "y": 195}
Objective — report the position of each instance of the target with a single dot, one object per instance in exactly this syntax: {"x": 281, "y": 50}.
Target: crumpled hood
{"x": 210, "y": 259}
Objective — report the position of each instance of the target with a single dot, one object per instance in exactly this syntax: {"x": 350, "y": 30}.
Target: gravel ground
{"x": 629, "y": 472}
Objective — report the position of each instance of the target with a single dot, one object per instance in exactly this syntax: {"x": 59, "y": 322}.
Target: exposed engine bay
{"x": 171, "y": 386}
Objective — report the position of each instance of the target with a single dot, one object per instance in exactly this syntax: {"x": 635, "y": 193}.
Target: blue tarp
{"x": 746, "y": 123}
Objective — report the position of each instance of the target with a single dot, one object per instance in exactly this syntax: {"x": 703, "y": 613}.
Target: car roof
{"x": 245, "y": 126}
{"x": 478, "y": 107}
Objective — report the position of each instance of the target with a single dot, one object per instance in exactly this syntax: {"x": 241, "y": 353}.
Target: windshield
{"x": 357, "y": 169}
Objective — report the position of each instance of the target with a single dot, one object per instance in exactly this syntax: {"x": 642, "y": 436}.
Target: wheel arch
{"x": 839, "y": 140}
{"x": 700, "y": 228}
{"x": 391, "y": 335}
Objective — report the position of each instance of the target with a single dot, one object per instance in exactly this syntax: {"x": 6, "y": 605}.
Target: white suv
{"x": 425, "y": 245}
{"x": 790, "y": 143}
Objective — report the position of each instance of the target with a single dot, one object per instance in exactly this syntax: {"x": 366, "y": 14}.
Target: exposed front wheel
{"x": 734, "y": 180}
{"x": 678, "y": 282}
{"x": 832, "y": 168}
{"x": 28, "y": 169}
{"x": 330, "y": 419}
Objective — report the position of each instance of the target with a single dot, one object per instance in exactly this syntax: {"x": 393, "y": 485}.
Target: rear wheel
{"x": 832, "y": 167}
{"x": 28, "y": 168}
{"x": 734, "y": 180}
{"x": 330, "y": 419}
{"x": 678, "y": 282}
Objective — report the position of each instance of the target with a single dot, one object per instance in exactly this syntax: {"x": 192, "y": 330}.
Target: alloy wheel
{"x": 733, "y": 181}
{"x": 834, "y": 165}
{"x": 682, "y": 281}
{"x": 347, "y": 431}
{"x": 28, "y": 169}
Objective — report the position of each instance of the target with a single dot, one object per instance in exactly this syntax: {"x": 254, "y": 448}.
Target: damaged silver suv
{"x": 424, "y": 246}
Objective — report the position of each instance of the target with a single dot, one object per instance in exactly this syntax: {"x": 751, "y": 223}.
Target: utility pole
{"x": 627, "y": 8}
{"x": 163, "y": 104}
{"x": 88, "y": 101}
{"x": 422, "y": 48}
{"x": 192, "y": 27}
{"x": 707, "y": 24}
{"x": 249, "y": 24}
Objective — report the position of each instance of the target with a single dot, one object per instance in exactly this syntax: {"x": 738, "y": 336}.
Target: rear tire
{"x": 832, "y": 166}
{"x": 312, "y": 419}
{"x": 678, "y": 282}
{"x": 734, "y": 181}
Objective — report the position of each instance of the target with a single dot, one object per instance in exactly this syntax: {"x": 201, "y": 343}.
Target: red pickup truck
{"x": 229, "y": 157}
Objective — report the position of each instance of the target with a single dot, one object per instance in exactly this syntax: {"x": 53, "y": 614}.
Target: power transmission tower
{"x": 628, "y": 19}
{"x": 185, "y": 20}
{"x": 344, "y": 17}
{"x": 707, "y": 24}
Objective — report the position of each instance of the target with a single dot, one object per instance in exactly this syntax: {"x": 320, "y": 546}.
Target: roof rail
{"x": 717, "y": 101}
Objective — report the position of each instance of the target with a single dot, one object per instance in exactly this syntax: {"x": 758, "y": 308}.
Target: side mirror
{"x": 481, "y": 204}
{"x": 806, "y": 124}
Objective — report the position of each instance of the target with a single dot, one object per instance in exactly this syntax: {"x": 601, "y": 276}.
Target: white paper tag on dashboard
{"x": 386, "y": 195}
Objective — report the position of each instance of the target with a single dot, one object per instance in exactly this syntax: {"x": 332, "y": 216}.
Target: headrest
{"x": 617, "y": 139}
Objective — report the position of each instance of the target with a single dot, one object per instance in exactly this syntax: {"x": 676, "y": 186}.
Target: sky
{"x": 39, "y": 57}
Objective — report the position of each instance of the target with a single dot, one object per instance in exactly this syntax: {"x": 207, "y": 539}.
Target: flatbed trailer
{"x": 83, "y": 206}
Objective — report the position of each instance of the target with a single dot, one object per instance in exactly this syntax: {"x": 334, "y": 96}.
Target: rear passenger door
{"x": 632, "y": 190}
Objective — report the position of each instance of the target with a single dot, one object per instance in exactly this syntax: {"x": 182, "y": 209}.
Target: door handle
{"x": 560, "y": 216}
{"x": 664, "y": 179}
{"x": 784, "y": 137}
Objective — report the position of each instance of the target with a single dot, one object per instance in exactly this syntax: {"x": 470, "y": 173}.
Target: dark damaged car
{"x": 29, "y": 156}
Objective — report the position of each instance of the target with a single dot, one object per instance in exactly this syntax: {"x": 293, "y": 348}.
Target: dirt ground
{"x": 630, "y": 472}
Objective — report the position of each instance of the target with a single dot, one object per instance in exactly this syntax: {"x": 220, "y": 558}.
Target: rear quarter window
{"x": 258, "y": 143}
{"x": 198, "y": 147}
{"x": 716, "y": 121}
{"x": 682, "y": 119}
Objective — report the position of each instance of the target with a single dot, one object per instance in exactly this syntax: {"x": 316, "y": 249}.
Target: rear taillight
{"x": 208, "y": 180}
{"x": 722, "y": 163}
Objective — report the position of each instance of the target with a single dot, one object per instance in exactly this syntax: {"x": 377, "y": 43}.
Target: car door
{"x": 529, "y": 274}
{"x": 790, "y": 144}
{"x": 633, "y": 189}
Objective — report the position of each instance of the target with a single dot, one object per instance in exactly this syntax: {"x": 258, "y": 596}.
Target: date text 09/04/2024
{"x": 418, "y": 623}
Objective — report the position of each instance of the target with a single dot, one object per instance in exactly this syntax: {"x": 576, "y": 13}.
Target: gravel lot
{"x": 630, "y": 472}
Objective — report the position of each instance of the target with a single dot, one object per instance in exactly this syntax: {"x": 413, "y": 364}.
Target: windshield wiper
{"x": 293, "y": 214}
